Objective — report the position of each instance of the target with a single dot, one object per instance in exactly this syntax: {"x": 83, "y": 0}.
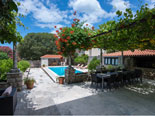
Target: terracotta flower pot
{"x": 30, "y": 85}
{"x": 61, "y": 80}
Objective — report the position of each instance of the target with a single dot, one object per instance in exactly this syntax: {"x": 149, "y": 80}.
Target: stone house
{"x": 144, "y": 60}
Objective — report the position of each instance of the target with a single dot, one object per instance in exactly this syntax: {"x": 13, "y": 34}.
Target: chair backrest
{"x": 120, "y": 75}
{"x": 93, "y": 75}
{"x": 138, "y": 72}
{"x": 113, "y": 77}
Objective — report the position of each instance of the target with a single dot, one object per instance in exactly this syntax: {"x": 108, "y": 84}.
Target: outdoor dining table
{"x": 108, "y": 75}
{"x": 105, "y": 76}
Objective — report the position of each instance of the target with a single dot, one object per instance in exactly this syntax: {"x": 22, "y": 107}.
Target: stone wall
{"x": 80, "y": 77}
{"x": 35, "y": 63}
{"x": 129, "y": 62}
{"x": 3, "y": 85}
{"x": 71, "y": 77}
{"x": 14, "y": 79}
{"x": 148, "y": 73}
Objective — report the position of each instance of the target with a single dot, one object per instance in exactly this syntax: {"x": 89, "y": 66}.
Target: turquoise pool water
{"x": 61, "y": 70}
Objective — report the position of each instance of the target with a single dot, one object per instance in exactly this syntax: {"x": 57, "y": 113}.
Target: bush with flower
{"x": 71, "y": 38}
{"x": 7, "y": 50}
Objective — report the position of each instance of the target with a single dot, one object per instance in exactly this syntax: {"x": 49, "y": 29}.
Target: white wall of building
{"x": 94, "y": 52}
{"x": 44, "y": 61}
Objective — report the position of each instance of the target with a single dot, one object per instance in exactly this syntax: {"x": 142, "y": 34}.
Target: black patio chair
{"x": 119, "y": 79}
{"x": 8, "y": 103}
{"x": 138, "y": 74}
{"x": 96, "y": 80}
{"x": 126, "y": 77}
{"x": 133, "y": 77}
{"x": 110, "y": 82}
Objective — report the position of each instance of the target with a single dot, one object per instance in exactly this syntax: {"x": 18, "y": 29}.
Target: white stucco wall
{"x": 94, "y": 52}
{"x": 44, "y": 61}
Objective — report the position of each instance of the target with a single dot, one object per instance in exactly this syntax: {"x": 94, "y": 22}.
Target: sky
{"x": 43, "y": 15}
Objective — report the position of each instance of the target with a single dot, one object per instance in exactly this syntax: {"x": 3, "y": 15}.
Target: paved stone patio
{"x": 51, "y": 98}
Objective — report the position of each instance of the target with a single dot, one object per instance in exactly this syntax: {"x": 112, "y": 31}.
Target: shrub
{"x": 3, "y": 56}
{"x": 81, "y": 59}
{"x": 93, "y": 64}
{"x": 7, "y": 50}
{"x": 5, "y": 67}
{"x": 23, "y": 65}
{"x": 109, "y": 67}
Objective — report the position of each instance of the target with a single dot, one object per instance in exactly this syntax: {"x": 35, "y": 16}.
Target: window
{"x": 106, "y": 61}
{"x": 111, "y": 61}
{"x": 116, "y": 61}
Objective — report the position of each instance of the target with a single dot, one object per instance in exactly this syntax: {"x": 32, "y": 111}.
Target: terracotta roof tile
{"x": 135, "y": 53}
{"x": 51, "y": 56}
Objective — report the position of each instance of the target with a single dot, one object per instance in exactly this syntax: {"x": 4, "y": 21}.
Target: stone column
{"x": 14, "y": 77}
{"x": 69, "y": 75}
{"x": 15, "y": 80}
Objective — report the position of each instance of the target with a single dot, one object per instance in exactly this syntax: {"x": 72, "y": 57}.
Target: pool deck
{"x": 54, "y": 76}
{"x": 49, "y": 98}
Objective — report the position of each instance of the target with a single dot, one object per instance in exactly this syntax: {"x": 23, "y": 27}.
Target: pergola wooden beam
{"x": 120, "y": 28}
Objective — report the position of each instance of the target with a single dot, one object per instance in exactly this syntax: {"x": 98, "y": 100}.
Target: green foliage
{"x": 36, "y": 45}
{"x": 23, "y": 65}
{"x": 83, "y": 59}
{"x": 129, "y": 32}
{"x": 109, "y": 67}
{"x": 3, "y": 56}
{"x": 93, "y": 64}
{"x": 8, "y": 21}
{"x": 5, "y": 67}
{"x": 72, "y": 38}
{"x": 29, "y": 80}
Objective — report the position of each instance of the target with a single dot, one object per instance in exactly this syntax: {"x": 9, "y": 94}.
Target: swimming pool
{"x": 60, "y": 71}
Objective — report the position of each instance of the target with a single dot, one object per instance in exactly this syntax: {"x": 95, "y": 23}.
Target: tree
{"x": 129, "y": 32}
{"x": 6, "y": 50}
{"x": 93, "y": 64}
{"x": 83, "y": 59}
{"x": 9, "y": 18}
{"x": 8, "y": 21}
{"x": 72, "y": 38}
{"x": 36, "y": 45}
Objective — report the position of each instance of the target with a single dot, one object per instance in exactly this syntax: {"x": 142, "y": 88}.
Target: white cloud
{"x": 91, "y": 10}
{"x": 120, "y": 4}
{"x": 151, "y": 3}
{"x": 47, "y": 14}
{"x": 44, "y": 15}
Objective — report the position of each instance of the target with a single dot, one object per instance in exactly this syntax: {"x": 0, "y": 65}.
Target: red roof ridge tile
{"x": 51, "y": 56}
{"x": 135, "y": 53}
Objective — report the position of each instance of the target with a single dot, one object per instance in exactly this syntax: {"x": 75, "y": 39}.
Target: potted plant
{"x": 29, "y": 82}
{"x": 110, "y": 68}
{"x": 61, "y": 80}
